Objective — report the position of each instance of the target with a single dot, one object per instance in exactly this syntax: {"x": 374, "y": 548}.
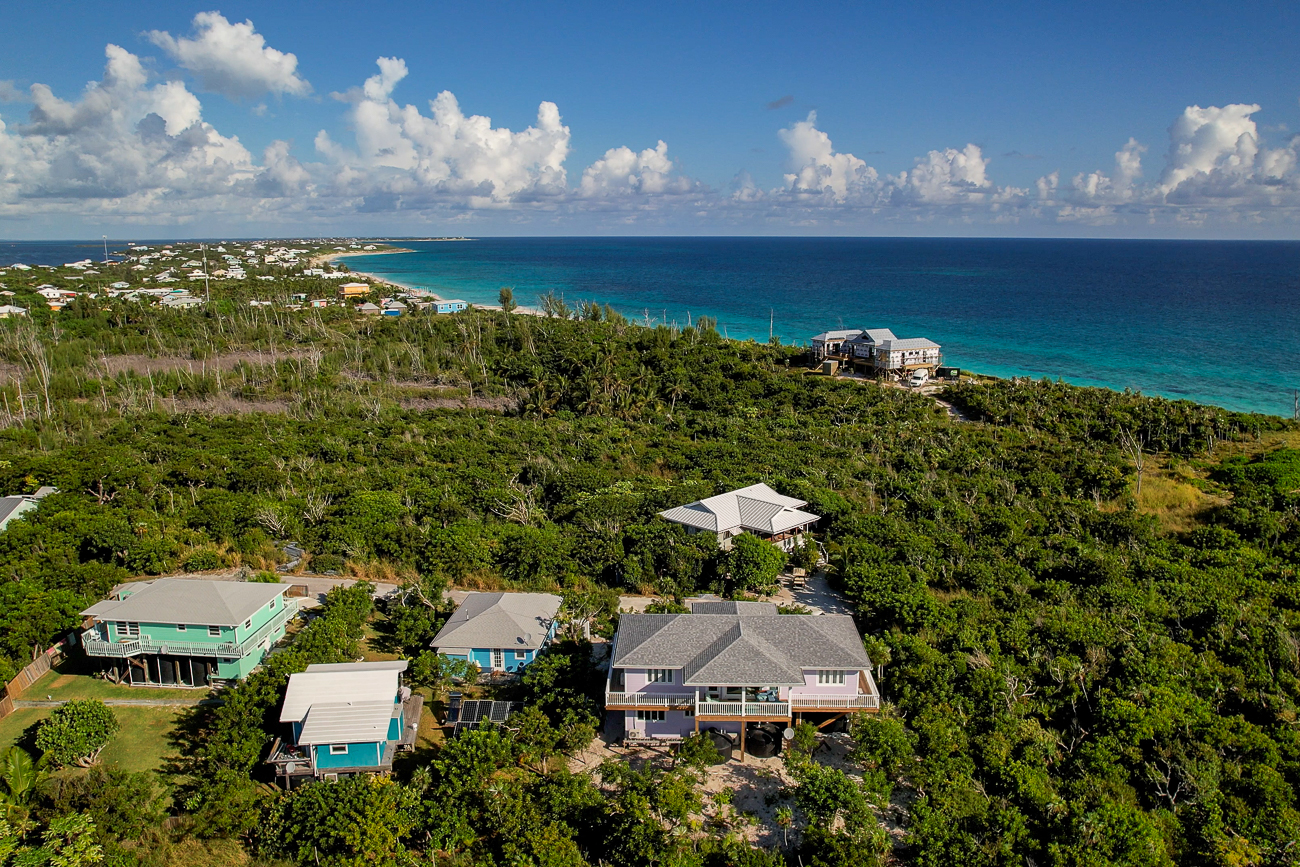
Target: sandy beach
{"x": 330, "y": 257}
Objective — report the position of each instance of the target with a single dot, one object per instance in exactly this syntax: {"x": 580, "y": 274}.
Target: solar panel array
{"x": 477, "y": 711}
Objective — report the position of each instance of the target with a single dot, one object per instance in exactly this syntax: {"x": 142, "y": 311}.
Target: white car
{"x": 918, "y": 378}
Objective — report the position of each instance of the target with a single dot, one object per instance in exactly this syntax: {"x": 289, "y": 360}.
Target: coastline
{"x": 330, "y": 257}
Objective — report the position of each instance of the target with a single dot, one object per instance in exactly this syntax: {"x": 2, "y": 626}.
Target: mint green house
{"x": 177, "y": 632}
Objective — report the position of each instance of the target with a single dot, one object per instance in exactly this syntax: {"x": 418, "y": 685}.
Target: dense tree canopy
{"x": 1069, "y": 680}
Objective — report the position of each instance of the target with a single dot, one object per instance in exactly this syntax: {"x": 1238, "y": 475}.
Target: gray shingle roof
{"x": 741, "y": 649}
{"x": 178, "y": 600}
{"x": 727, "y": 606}
{"x": 518, "y": 621}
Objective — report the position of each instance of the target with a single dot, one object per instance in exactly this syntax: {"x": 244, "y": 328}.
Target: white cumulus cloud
{"x": 818, "y": 169}
{"x": 123, "y": 140}
{"x": 624, "y": 172}
{"x": 945, "y": 177}
{"x": 401, "y": 152}
{"x": 233, "y": 59}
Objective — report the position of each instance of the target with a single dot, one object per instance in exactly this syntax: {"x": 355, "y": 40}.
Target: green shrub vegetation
{"x": 1068, "y": 684}
{"x": 76, "y": 732}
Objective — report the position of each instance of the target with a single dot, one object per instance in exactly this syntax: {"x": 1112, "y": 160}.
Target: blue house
{"x": 452, "y": 305}
{"x": 344, "y": 719}
{"x": 499, "y": 632}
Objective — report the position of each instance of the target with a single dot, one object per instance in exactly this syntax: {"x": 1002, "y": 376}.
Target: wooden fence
{"x": 28, "y": 676}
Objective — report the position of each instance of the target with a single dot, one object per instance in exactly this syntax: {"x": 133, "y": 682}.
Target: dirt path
{"x": 953, "y": 413}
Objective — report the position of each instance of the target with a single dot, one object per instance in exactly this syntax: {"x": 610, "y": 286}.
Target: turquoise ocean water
{"x": 1214, "y": 322}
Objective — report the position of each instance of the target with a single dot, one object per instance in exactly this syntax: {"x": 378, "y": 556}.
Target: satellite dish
{"x": 788, "y": 734}
{"x": 290, "y": 767}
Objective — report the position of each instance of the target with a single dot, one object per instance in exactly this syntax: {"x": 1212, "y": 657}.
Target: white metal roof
{"x": 346, "y": 722}
{"x": 756, "y": 507}
{"x": 910, "y": 343}
{"x": 398, "y": 665}
{"x": 347, "y": 683}
{"x": 841, "y": 334}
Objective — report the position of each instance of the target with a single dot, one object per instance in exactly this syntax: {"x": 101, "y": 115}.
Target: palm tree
{"x": 21, "y": 778}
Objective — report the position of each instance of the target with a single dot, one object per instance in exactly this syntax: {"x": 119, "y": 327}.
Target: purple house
{"x": 734, "y": 665}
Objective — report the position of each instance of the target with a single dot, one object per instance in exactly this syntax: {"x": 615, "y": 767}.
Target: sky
{"x": 989, "y": 119}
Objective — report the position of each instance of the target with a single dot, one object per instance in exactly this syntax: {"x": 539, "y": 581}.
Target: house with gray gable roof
{"x": 180, "y": 632}
{"x": 756, "y": 509}
{"x": 735, "y": 665}
{"x": 499, "y": 632}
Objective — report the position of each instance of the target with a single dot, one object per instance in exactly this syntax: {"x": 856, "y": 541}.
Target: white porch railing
{"x": 650, "y": 699}
{"x": 95, "y": 646}
{"x": 740, "y": 709}
{"x": 834, "y": 702}
{"x": 743, "y": 709}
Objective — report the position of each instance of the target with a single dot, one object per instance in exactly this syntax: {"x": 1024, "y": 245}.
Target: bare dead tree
{"x": 1134, "y": 447}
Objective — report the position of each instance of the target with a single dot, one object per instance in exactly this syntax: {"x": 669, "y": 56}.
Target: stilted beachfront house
{"x": 499, "y": 632}
{"x": 344, "y": 719}
{"x": 877, "y": 352}
{"x": 176, "y": 632}
{"x": 734, "y": 665}
{"x": 756, "y": 509}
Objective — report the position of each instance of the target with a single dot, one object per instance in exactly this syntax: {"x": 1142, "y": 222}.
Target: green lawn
{"x": 75, "y": 678}
{"x": 140, "y": 745}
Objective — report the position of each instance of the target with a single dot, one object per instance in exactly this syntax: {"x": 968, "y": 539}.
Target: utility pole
{"x": 771, "y": 323}
{"x": 207, "y": 287}
{"x": 105, "y": 249}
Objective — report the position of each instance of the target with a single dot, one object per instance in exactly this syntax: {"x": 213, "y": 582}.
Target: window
{"x": 180, "y": 627}
{"x": 649, "y": 716}
{"x": 338, "y": 749}
{"x": 270, "y": 606}
{"x": 659, "y": 675}
{"x": 248, "y": 623}
{"x": 128, "y": 630}
{"x": 831, "y": 677}
{"x": 689, "y": 712}
{"x": 498, "y": 659}
{"x": 214, "y": 630}
{"x": 521, "y": 654}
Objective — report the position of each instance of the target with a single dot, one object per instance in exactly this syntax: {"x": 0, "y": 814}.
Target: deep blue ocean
{"x": 1216, "y": 322}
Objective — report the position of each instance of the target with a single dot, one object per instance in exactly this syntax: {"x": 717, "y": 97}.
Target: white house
{"x": 756, "y": 509}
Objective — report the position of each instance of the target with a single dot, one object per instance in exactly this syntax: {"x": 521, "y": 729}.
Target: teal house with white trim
{"x": 177, "y": 632}
{"x": 500, "y": 632}
{"x": 345, "y": 719}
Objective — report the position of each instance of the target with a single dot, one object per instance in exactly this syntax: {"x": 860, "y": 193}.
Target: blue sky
{"x": 996, "y": 119}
